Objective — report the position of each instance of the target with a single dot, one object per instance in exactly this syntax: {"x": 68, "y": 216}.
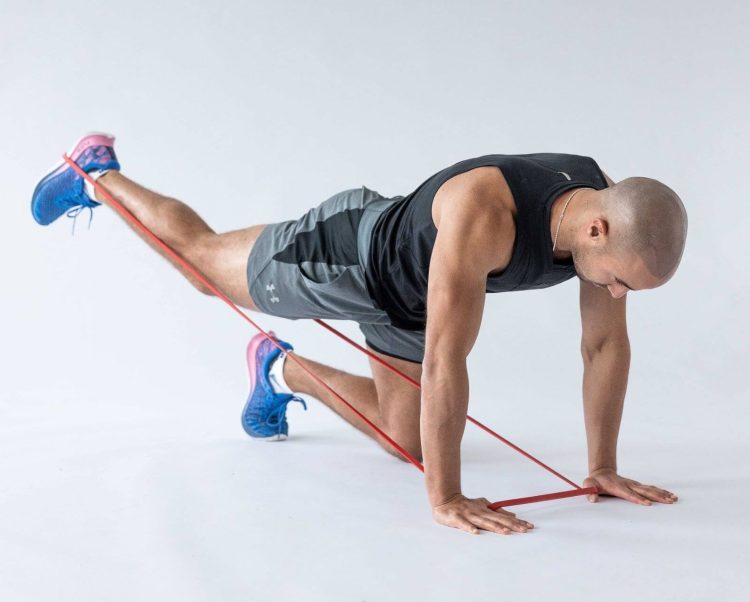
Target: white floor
{"x": 104, "y": 500}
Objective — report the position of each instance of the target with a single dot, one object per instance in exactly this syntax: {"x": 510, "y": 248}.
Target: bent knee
{"x": 415, "y": 451}
{"x": 403, "y": 428}
{"x": 202, "y": 255}
{"x": 199, "y": 286}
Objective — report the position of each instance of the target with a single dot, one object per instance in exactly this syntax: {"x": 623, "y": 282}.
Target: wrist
{"x": 602, "y": 469}
{"x": 442, "y": 499}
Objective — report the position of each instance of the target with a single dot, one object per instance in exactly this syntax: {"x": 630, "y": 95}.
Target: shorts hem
{"x": 388, "y": 353}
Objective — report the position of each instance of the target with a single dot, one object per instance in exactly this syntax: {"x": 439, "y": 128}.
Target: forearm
{"x": 605, "y": 379}
{"x": 445, "y": 398}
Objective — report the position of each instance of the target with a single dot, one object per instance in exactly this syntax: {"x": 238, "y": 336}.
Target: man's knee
{"x": 200, "y": 287}
{"x": 201, "y": 254}
{"x": 399, "y": 411}
{"x": 408, "y": 440}
{"x": 415, "y": 452}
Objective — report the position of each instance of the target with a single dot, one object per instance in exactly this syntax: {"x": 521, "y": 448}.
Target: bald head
{"x": 649, "y": 220}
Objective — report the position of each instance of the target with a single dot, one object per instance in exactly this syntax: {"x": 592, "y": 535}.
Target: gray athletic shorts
{"x": 313, "y": 267}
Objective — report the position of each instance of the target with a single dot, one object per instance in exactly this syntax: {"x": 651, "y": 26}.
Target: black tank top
{"x": 404, "y": 233}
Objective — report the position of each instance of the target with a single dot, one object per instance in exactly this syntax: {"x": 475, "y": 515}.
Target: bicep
{"x": 455, "y": 302}
{"x": 461, "y": 259}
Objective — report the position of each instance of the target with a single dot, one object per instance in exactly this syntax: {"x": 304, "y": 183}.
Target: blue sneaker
{"x": 62, "y": 190}
{"x": 264, "y": 414}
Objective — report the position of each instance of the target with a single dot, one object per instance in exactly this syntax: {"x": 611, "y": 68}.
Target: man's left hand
{"x": 608, "y": 482}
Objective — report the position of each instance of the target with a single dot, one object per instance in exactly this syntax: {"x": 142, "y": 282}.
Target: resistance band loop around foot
{"x": 293, "y": 356}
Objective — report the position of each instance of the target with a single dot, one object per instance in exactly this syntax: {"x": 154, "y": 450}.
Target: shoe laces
{"x": 276, "y": 418}
{"x": 73, "y": 213}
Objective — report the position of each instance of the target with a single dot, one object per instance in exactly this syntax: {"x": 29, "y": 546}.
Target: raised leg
{"x": 221, "y": 258}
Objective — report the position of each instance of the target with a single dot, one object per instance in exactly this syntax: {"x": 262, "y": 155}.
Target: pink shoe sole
{"x": 84, "y": 142}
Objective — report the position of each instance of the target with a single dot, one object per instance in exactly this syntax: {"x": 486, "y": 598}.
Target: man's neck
{"x": 573, "y": 212}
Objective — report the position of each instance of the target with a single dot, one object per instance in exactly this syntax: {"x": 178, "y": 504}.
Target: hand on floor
{"x": 473, "y": 515}
{"x": 608, "y": 482}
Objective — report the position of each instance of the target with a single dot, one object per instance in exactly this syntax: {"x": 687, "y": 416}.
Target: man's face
{"x": 619, "y": 274}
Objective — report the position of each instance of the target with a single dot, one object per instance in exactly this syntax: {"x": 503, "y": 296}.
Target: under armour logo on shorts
{"x": 270, "y": 288}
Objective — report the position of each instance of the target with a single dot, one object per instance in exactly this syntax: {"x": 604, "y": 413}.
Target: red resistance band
{"x": 578, "y": 490}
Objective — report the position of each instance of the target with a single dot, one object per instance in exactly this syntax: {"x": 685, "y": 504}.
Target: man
{"x": 413, "y": 271}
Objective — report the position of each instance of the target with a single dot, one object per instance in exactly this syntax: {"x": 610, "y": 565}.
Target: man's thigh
{"x": 399, "y": 401}
{"x": 223, "y": 260}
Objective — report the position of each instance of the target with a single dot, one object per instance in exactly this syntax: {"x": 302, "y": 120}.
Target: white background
{"x": 124, "y": 473}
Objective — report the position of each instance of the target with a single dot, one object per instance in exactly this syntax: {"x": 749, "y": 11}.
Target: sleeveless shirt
{"x": 404, "y": 234}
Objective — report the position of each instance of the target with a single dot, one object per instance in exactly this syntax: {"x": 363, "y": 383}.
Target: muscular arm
{"x": 605, "y": 349}
{"x": 606, "y": 363}
{"x": 461, "y": 259}
{"x": 455, "y": 302}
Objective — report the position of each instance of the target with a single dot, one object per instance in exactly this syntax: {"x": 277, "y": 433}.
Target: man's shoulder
{"x": 481, "y": 215}
{"x": 482, "y": 191}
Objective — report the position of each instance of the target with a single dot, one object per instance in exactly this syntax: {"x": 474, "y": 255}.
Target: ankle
{"x": 92, "y": 191}
{"x": 294, "y": 376}
{"x": 277, "y": 377}
{"x": 108, "y": 175}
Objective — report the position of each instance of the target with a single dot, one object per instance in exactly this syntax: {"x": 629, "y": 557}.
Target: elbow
{"x": 444, "y": 377}
{"x": 619, "y": 345}
{"x": 437, "y": 367}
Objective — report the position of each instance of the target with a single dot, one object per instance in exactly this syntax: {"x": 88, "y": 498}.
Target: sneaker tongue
{"x": 88, "y": 187}
{"x": 276, "y": 374}
{"x": 275, "y": 383}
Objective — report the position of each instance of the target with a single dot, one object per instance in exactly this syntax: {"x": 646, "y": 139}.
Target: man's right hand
{"x": 474, "y": 514}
